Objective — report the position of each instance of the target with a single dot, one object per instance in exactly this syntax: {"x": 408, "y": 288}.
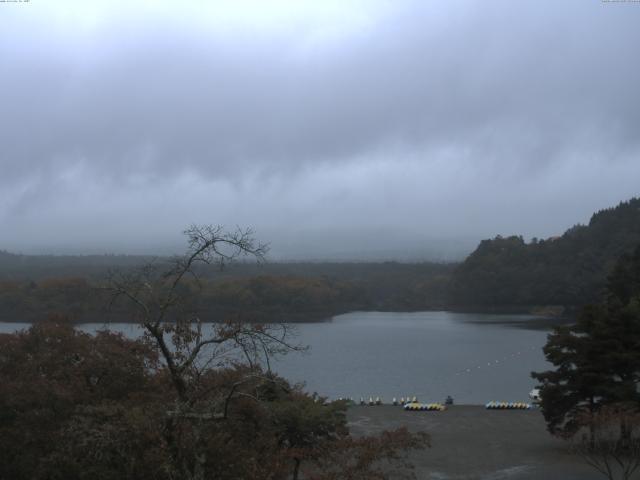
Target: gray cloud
{"x": 391, "y": 127}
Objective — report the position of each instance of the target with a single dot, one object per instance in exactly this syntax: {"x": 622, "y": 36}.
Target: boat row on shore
{"x": 508, "y": 406}
{"x": 378, "y": 401}
{"x": 412, "y": 404}
{"x": 421, "y": 407}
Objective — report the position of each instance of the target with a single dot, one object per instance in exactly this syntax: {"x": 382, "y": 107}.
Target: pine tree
{"x": 597, "y": 360}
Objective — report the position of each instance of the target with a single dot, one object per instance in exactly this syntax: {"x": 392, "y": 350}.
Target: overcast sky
{"x": 402, "y": 129}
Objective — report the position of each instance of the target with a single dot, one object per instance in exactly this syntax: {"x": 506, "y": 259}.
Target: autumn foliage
{"x": 77, "y": 406}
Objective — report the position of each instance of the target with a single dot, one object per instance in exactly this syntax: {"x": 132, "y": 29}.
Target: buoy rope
{"x": 442, "y": 380}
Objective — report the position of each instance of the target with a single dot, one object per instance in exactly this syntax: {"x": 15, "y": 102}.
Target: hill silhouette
{"x": 568, "y": 271}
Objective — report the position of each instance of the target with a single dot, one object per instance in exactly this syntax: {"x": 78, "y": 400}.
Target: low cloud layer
{"x": 394, "y": 128}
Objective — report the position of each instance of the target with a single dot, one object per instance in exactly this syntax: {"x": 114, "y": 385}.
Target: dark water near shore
{"x": 473, "y": 357}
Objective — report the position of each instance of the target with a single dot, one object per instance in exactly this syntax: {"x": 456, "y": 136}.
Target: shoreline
{"x": 471, "y": 442}
{"x": 540, "y": 315}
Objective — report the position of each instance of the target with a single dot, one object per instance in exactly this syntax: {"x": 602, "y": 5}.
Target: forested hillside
{"x": 567, "y": 271}
{"x": 503, "y": 274}
{"x": 34, "y": 287}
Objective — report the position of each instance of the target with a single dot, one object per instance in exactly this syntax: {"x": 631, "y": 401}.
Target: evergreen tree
{"x": 597, "y": 360}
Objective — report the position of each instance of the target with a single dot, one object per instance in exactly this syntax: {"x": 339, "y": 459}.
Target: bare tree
{"x": 159, "y": 294}
{"x": 612, "y": 443}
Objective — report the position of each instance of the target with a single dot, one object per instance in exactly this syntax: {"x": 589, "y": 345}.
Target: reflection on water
{"x": 472, "y": 357}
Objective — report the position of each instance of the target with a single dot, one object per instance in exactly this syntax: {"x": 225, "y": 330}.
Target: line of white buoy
{"x": 493, "y": 363}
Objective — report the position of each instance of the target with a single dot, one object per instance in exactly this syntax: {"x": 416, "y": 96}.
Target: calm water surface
{"x": 473, "y": 357}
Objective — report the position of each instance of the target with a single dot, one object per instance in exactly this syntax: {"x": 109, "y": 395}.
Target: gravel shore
{"x": 470, "y": 442}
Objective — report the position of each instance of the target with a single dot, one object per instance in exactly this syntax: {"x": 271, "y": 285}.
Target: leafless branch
{"x": 613, "y": 442}
{"x": 156, "y": 295}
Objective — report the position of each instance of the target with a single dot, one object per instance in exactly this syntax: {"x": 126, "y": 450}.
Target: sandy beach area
{"x": 470, "y": 442}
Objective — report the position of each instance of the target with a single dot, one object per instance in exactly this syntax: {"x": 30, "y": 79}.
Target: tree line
{"x": 569, "y": 271}
{"x": 503, "y": 274}
{"x": 277, "y": 292}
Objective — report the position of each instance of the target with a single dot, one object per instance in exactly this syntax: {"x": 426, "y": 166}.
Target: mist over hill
{"x": 502, "y": 274}
{"x": 569, "y": 270}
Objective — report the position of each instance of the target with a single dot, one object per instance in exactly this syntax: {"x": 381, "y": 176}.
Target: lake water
{"x": 472, "y": 357}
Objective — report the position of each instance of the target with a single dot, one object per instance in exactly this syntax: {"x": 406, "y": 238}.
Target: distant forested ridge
{"x": 566, "y": 271}
{"x": 34, "y": 287}
{"x": 505, "y": 274}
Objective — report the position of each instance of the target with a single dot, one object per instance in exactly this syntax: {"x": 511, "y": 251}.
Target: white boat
{"x": 534, "y": 395}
